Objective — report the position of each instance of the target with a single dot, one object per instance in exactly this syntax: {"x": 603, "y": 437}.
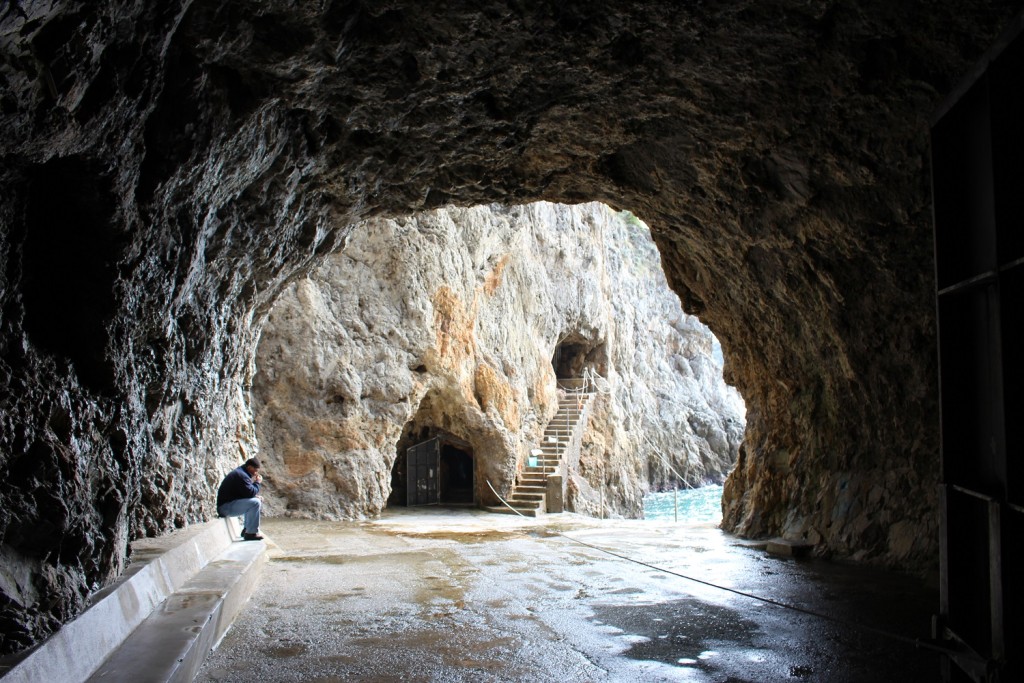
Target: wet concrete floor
{"x": 463, "y": 595}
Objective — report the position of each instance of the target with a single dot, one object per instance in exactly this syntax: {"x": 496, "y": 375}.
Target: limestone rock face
{"x": 448, "y": 322}
{"x": 169, "y": 167}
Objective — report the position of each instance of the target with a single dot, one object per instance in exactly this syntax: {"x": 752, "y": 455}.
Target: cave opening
{"x": 437, "y": 470}
{"x": 405, "y": 380}
{"x": 575, "y": 354}
{"x": 433, "y": 465}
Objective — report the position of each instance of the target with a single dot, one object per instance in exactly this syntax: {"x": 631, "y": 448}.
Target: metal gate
{"x": 977, "y": 175}
{"x": 423, "y": 467}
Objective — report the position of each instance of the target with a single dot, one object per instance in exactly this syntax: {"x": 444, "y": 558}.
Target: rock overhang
{"x": 777, "y": 151}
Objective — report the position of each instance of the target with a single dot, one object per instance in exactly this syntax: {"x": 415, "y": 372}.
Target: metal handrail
{"x": 667, "y": 464}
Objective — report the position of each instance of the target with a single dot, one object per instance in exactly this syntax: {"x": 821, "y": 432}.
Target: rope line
{"x": 916, "y": 642}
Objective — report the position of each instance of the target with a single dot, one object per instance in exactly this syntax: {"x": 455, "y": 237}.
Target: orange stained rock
{"x": 493, "y": 390}
{"x": 454, "y": 327}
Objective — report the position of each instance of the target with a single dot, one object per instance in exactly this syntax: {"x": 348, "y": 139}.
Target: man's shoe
{"x": 251, "y": 537}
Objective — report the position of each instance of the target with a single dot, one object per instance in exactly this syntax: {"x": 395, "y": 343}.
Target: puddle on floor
{"x": 669, "y": 632}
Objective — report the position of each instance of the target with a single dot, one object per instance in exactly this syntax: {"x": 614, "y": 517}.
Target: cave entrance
{"x": 440, "y": 471}
{"x": 575, "y": 354}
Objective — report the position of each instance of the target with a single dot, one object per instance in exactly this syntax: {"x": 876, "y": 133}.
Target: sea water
{"x": 702, "y": 504}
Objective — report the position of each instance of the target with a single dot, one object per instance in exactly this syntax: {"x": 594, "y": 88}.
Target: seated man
{"x": 238, "y": 495}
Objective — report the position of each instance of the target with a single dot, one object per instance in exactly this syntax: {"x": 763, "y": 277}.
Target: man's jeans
{"x": 249, "y": 507}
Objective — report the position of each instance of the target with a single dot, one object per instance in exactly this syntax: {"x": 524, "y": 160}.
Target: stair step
{"x": 524, "y": 497}
{"x": 525, "y": 512}
{"x": 526, "y": 504}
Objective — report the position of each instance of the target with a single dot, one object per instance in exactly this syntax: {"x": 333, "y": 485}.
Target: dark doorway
{"x": 439, "y": 470}
{"x": 456, "y": 475}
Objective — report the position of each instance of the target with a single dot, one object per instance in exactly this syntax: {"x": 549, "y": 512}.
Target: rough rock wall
{"x": 169, "y": 166}
{"x": 448, "y": 321}
{"x": 670, "y": 403}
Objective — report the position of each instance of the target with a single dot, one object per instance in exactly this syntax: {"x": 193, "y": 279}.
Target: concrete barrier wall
{"x": 159, "y": 567}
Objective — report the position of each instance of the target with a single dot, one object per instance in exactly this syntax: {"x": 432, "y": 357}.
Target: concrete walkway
{"x": 437, "y": 595}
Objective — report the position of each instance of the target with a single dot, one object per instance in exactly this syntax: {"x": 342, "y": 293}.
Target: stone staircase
{"x": 529, "y": 494}
{"x": 158, "y": 622}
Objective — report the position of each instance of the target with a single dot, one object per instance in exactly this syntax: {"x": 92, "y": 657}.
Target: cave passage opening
{"x": 433, "y": 466}
{"x": 603, "y": 334}
{"x": 575, "y": 354}
{"x": 436, "y": 471}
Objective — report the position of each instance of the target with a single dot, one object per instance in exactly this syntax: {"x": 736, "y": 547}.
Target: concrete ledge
{"x": 173, "y": 642}
{"x": 780, "y": 546}
{"x": 239, "y": 567}
{"x": 754, "y": 543}
{"x": 159, "y": 567}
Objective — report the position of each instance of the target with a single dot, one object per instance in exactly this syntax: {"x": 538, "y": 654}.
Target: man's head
{"x": 252, "y": 466}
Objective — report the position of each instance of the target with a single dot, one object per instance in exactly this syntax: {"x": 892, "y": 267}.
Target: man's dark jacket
{"x": 238, "y": 484}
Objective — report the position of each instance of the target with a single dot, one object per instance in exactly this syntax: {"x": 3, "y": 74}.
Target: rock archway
{"x": 443, "y": 324}
{"x": 219, "y": 150}
{"x": 443, "y": 418}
